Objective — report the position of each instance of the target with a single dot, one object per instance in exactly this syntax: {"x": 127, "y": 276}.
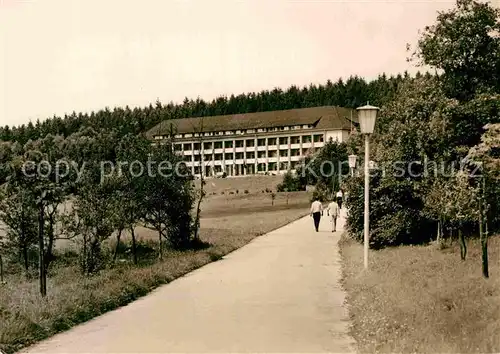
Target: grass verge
{"x": 25, "y": 318}
{"x": 423, "y": 300}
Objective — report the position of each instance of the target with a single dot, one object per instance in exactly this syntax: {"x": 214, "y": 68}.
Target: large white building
{"x": 254, "y": 143}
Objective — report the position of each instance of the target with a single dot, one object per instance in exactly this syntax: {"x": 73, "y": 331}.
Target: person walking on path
{"x": 340, "y": 197}
{"x": 333, "y": 211}
{"x": 316, "y": 212}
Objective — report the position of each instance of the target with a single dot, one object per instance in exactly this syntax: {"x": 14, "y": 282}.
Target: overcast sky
{"x": 63, "y": 55}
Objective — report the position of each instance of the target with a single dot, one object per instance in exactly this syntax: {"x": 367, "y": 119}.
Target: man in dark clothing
{"x": 340, "y": 197}
{"x": 316, "y": 212}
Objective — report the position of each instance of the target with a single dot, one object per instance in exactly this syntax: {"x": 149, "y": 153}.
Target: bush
{"x": 246, "y": 191}
{"x": 180, "y": 231}
{"x": 290, "y": 183}
{"x": 146, "y": 248}
{"x": 396, "y": 228}
{"x": 237, "y": 191}
{"x": 395, "y": 213}
{"x": 320, "y": 193}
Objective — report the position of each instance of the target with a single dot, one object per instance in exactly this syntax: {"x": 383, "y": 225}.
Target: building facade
{"x": 254, "y": 143}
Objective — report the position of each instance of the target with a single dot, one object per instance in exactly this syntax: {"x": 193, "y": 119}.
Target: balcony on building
{"x": 283, "y": 142}
{"x": 239, "y": 157}
{"x": 307, "y": 143}
{"x": 283, "y": 153}
{"x": 240, "y": 145}
{"x": 283, "y": 166}
{"x": 272, "y": 166}
{"x": 261, "y": 144}
{"x": 250, "y": 143}
{"x": 294, "y": 142}
{"x": 271, "y": 143}
{"x": 318, "y": 138}
{"x": 218, "y": 147}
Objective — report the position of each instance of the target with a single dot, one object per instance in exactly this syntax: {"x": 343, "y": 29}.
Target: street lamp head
{"x": 367, "y": 115}
{"x": 352, "y": 161}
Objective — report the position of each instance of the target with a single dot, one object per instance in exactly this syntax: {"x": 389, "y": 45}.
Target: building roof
{"x": 326, "y": 117}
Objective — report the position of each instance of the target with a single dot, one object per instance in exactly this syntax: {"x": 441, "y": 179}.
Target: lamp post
{"x": 367, "y": 115}
{"x": 352, "y": 163}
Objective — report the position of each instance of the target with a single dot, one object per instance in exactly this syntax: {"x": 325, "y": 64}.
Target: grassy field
{"x": 423, "y": 300}
{"x": 218, "y": 205}
{"x": 253, "y": 184}
{"x": 227, "y": 224}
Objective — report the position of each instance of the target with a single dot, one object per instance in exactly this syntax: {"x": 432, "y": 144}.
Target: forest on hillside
{"x": 352, "y": 93}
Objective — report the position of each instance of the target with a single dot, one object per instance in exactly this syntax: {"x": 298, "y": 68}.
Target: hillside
{"x": 352, "y": 93}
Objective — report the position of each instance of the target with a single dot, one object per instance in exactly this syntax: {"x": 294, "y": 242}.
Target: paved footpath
{"x": 278, "y": 294}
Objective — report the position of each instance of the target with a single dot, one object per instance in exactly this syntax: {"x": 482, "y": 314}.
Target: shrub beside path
{"x": 279, "y": 293}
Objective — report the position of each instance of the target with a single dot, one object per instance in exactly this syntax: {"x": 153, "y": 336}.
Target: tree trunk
{"x": 94, "y": 255}
{"x": 160, "y": 245}
{"x": 463, "y": 244}
{"x": 24, "y": 243}
{"x": 197, "y": 220}
{"x": 48, "y": 252}
{"x": 25, "y": 258}
{"x": 43, "y": 279}
{"x": 24, "y": 249}
{"x": 198, "y": 208}
{"x": 483, "y": 234}
{"x": 438, "y": 237}
{"x": 134, "y": 245}
{"x": 202, "y": 185}
{"x": 484, "y": 247}
{"x": 118, "y": 237}
{"x": 84, "y": 255}
{"x": 1, "y": 269}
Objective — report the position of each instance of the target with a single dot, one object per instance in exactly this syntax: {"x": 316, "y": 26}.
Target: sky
{"x": 59, "y": 56}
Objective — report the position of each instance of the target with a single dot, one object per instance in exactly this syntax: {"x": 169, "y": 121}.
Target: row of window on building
{"x": 247, "y": 169}
{"x": 245, "y": 131}
{"x": 249, "y": 155}
{"x": 228, "y": 144}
